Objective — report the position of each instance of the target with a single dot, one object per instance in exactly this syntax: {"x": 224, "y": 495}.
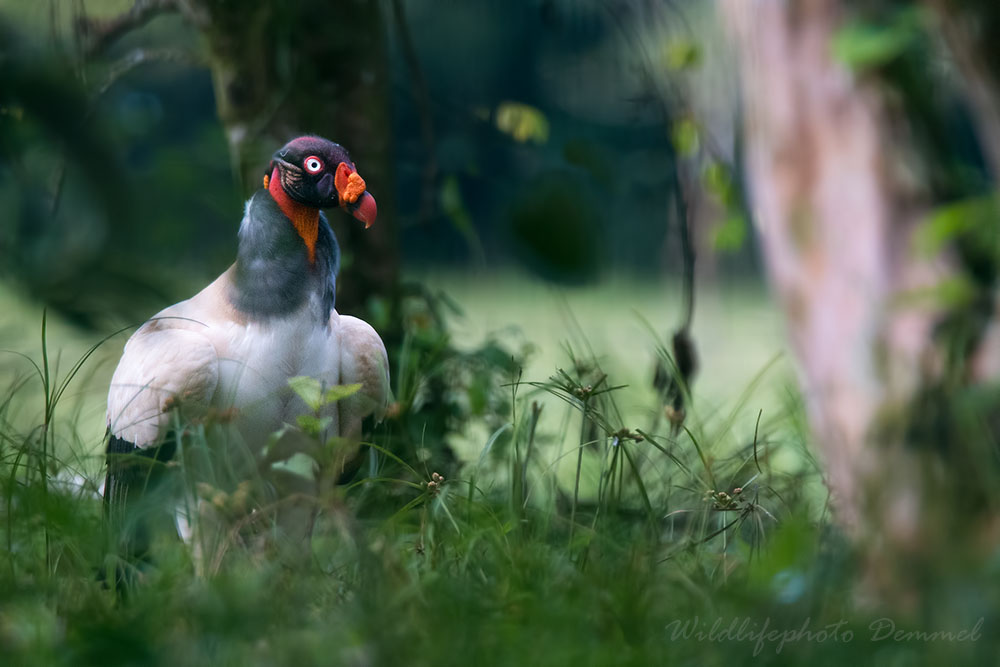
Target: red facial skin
{"x": 305, "y": 218}
{"x": 351, "y": 193}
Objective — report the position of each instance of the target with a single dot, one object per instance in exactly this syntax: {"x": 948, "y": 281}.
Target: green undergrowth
{"x": 652, "y": 543}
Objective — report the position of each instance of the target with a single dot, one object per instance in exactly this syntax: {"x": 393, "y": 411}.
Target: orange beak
{"x": 353, "y": 194}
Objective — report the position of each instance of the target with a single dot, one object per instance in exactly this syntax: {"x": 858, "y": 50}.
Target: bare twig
{"x": 665, "y": 95}
{"x": 133, "y": 59}
{"x": 685, "y": 213}
{"x": 99, "y": 33}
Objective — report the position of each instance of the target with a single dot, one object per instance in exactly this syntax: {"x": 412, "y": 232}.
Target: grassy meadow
{"x": 620, "y": 322}
{"x": 580, "y": 531}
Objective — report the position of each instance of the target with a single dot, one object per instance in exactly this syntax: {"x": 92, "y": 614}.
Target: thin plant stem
{"x": 579, "y": 467}
{"x": 46, "y": 421}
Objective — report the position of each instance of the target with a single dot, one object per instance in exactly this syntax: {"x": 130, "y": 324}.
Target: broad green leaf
{"x": 334, "y": 394}
{"x": 309, "y": 389}
{"x": 948, "y": 223}
{"x": 298, "y": 464}
{"x": 866, "y": 45}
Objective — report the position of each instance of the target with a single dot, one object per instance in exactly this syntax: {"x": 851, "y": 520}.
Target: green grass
{"x": 514, "y": 557}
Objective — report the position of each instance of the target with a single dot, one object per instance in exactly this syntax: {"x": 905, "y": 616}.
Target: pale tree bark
{"x": 835, "y": 221}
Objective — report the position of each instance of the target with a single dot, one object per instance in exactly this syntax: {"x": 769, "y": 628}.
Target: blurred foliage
{"x": 121, "y": 196}
{"x": 440, "y": 390}
{"x": 557, "y": 228}
{"x": 523, "y": 122}
{"x": 58, "y": 186}
{"x": 863, "y": 45}
{"x": 97, "y": 212}
{"x": 731, "y": 234}
{"x": 941, "y": 167}
{"x": 971, "y": 226}
{"x": 454, "y": 207}
{"x": 927, "y": 99}
{"x": 684, "y": 135}
{"x": 690, "y": 550}
{"x": 682, "y": 54}
{"x": 565, "y": 101}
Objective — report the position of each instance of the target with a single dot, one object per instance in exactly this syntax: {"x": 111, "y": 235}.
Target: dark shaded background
{"x": 121, "y": 187}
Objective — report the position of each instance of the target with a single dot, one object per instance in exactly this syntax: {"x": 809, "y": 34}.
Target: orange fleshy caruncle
{"x": 349, "y": 183}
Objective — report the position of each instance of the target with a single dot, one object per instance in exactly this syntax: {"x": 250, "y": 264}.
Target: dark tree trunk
{"x": 287, "y": 68}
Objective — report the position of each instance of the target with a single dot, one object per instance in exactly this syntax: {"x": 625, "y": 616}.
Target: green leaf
{"x": 730, "y": 235}
{"x": 338, "y": 392}
{"x": 685, "y": 137}
{"x": 681, "y": 55}
{"x": 454, "y": 207}
{"x": 949, "y": 293}
{"x": 950, "y": 222}
{"x": 867, "y": 45}
{"x": 309, "y": 389}
{"x": 312, "y": 424}
{"x": 523, "y": 122}
{"x": 719, "y": 182}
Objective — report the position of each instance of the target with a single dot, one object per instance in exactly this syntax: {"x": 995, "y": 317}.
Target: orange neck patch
{"x": 304, "y": 218}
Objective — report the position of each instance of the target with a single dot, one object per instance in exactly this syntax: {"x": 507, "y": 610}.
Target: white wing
{"x": 162, "y": 367}
{"x": 362, "y": 360}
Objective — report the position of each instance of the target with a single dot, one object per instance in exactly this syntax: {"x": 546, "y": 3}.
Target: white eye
{"x": 313, "y": 164}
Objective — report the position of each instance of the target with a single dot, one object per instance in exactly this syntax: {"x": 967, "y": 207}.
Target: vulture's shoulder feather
{"x": 167, "y": 363}
{"x": 363, "y": 360}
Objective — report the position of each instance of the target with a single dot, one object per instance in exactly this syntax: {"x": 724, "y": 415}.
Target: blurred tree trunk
{"x": 282, "y": 69}
{"x": 836, "y": 220}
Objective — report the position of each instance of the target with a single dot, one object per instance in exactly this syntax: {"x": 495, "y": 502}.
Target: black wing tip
{"x": 122, "y": 471}
{"x": 118, "y": 445}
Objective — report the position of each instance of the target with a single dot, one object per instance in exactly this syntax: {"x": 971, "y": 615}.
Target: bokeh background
{"x": 533, "y": 178}
{"x": 692, "y": 302}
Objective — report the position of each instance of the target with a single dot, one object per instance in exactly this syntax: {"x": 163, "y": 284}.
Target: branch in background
{"x": 685, "y": 214}
{"x": 674, "y": 384}
{"x": 133, "y": 59}
{"x": 117, "y": 70}
{"x": 97, "y": 34}
{"x": 422, "y": 97}
{"x": 684, "y": 349}
{"x": 974, "y": 51}
{"x": 195, "y": 13}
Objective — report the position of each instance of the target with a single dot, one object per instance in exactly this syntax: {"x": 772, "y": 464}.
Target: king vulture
{"x": 225, "y": 356}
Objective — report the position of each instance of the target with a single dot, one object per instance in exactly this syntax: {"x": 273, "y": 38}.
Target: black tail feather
{"x": 132, "y": 474}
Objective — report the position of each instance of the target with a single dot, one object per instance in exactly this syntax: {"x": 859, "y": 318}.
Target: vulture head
{"x": 319, "y": 173}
